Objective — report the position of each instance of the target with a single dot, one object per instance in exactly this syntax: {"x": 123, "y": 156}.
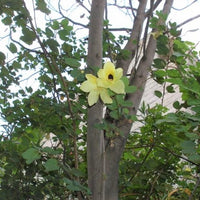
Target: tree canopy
{"x": 54, "y": 145}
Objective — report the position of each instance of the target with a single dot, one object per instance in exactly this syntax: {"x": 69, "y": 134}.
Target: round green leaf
{"x": 51, "y": 165}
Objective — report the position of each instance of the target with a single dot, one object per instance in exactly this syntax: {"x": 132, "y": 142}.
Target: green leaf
{"x": 31, "y": 155}
{"x": 114, "y": 114}
{"x": 53, "y": 44}
{"x": 128, "y": 156}
{"x": 159, "y": 73}
{"x": 64, "y": 23}
{"x": 130, "y": 89}
{"x": 13, "y": 48}
{"x": 176, "y": 105}
{"x": 77, "y": 172}
{"x": 55, "y": 25}
{"x": 158, "y": 93}
{"x": 74, "y": 185}
{"x": 67, "y": 48}
{"x": 7, "y": 20}
{"x": 159, "y": 63}
{"x": 162, "y": 43}
{"x": 2, "y": 58}
{"x": 192, "y": 136}
{"x": 72, "y": 62}
{"x": 42, "y": 6}
{"x": 195, "y": 158}
{"x": 170, "y": 89}
{"x": 173, "y": 73}
{"x": 49, "y": 32}
{"x": 52, "y": 151}
{"x": 188, "y": 147}
{"x": 76, "y": 73}
{"x": 63, "y": 34}
{"x": 51, "y": 165}
{"x": 28, "y": 36}
{"x": 125, "y": 111}
{"x": 127, "y": 103}
{"x": 125, "y": 80}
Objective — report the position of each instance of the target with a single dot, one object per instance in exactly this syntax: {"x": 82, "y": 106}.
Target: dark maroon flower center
{"x": 110, "y": 77}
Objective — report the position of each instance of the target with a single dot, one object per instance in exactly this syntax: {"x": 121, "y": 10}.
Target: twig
{"x": 194, "y": 190}
{"x": 81, "y": 4}
{"x": 185, "y": 6}
{"x": 132, "y": 9}
{"x": 145, "y": 158}
{"x": 55, "y": 70}
{"x": 176, "y": 155}
{"x": 188, "y": 20}
{"x": 72, "y": 21}
{"x": 107, "y": 33}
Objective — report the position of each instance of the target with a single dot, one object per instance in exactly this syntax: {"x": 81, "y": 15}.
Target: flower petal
{"x": 86, "y": 86}
{"x": 109, "y": 66}
{"x": 93, "y": 97}
{"x": 91, "y": 78}
{"x": 118, "y": 73}
{"x": 118, "y": 87}
{"x": 90, "y": 84}
{"x": 105, "y": 96}
{"x": 101, "y": 73}
{"x": 103, "y": 83}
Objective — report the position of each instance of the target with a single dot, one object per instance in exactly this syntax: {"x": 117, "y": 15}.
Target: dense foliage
{"x": 43, "y": 136}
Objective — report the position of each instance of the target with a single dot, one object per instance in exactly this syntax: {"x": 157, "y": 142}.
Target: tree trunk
{"x": 95, "y": 137}
{"x": 104, "y": 156}
{"x": 115, "y": 149}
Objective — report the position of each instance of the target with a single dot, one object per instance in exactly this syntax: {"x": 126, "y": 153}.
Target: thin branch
{"x": 132, "y": 9}
{"x": 185, "y": 6}
{"x": 128, "y": 30}
{"x": 134, "y": 39}
{"x": 154, "y": 6}
{"x": 153, "y": 183}
{"x": 188, "y": 20}
{"x": 25, "y": 79}
{"x": 123, "y": 7}
{"x": 72, "y": 21}
{"x": 176, "y": 155}
{"x": 30, "y": 50}
{"x": 107, "y": 32}
{"x": 142, "y": 163}
{"x": 82, "y": 5}
{"x": 55, "y": 70}
{"x": 150, "y": 13}
{"x": 194, "y": 190}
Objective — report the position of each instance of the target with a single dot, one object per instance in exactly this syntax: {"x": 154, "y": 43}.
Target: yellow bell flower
{"x": 109, "y": 77}
{"x": 90, "y": 85}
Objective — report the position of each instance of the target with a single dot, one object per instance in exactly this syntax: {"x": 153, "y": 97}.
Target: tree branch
{"x": 55, "y": 70}
{"x": 142, "y": 163}
{"x": 134, "y": 39}
{"x": 185, "y": 6}
{"x": 188, "y": 20}
{"x": 176, "y": 155}
{"x": 72, "y": 21}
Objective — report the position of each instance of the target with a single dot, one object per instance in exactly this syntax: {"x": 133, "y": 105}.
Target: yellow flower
{"x": 109, "y": 77}
{"x": 90, "y": 85}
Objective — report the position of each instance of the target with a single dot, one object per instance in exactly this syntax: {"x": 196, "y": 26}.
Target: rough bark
{"x": 103, "y": 163}
{"x": 114, "y": 151}
{"x": 95, "y": 138}
{"x": 135, "y": 36}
